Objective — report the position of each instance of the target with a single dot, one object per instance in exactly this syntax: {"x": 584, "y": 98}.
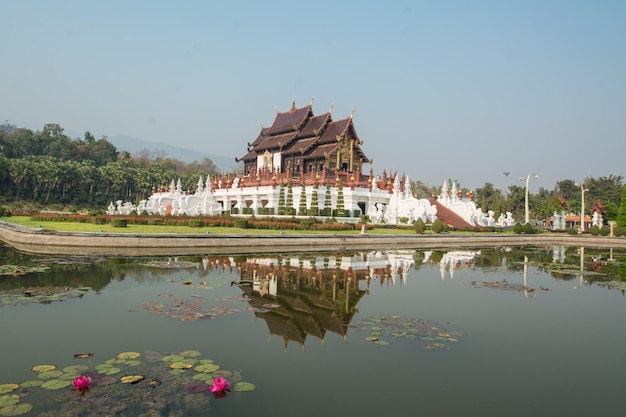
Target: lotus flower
{"x": 219, "y": 387}
{"x": 82, "y": 383}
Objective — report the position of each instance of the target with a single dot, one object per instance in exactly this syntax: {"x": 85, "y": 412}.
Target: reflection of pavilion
{"x": 454, "y": 260}
{"x": 301, "y": 296}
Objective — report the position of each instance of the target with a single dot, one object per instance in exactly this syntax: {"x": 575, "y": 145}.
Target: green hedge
{"x": 119, "y": 222}
{"x": 195, "y": 223}
{"x": 99, "y": 220}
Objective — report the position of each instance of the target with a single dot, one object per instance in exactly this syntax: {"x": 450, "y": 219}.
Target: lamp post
{"x": 582, "y": 206}
{"x": 527, "y": 212}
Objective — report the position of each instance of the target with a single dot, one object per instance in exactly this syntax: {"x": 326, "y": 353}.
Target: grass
{"x": 168, "y": 229}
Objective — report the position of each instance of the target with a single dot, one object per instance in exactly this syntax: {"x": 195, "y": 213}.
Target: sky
{"x": 462, "y": 90}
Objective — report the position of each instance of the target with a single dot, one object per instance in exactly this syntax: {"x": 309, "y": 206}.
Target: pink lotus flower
{"x": 82, "y": 383}
{"x": 219, "y": 387}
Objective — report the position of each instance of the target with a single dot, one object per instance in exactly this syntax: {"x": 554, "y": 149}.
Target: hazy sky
{"x": 464, "y": 90}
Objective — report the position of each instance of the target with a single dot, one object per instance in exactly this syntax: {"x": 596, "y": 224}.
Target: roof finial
{"x": 352, "y": 114}
{"x": 293, "y": 104}
{"x": 276, "y": 108}
{"x": 312, "y": 100}
{"x": 331, "y": 108}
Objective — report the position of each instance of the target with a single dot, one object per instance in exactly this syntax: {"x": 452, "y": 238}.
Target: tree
{"x": 419, "y": 226}
{"x": 315, "y": 206}
{"x": 281, "y": 199}
{"x": 327, "y": 202}
{"x": 341, "y": 208}
{"x": 621, "y": 213}
{"x": 302, "y": 204}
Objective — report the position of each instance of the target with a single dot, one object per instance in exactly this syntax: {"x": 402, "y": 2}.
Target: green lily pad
{"x": 129, "y": 355}
{"x": 30, "y": 384}
{"x": 9, "y": 399}
{"x": 132, "y": 363}
{"x": 43, "y": 368}
{"x": 69, "y": 376}
{"x": 203, "y": 376}
{"x": 50, "y": 374}
{"x": 4, "y": 388}
{"x": 110, "y": 371}
{"x": 190, "y": 353}
{"x": 177, "y": 371}
{"x": 204, "y": 361}
{"x": 381, "y": 342}
{"x": 16, "y": 409}
{"x": 75, "y": 369}
{"x": 103, "y": 366}
{"x": 180, "y": 365}
{"x": 172, "y": 358}
{"x": 221, "y": 373}
{"x": 131, "y": 379}
{"x": 207, "y": 367}
{"x": 243, "y": 386}
{"x": 56, "y": 384}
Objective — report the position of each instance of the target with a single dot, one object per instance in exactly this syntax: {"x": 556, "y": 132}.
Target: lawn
{"x": 141, "y": 229}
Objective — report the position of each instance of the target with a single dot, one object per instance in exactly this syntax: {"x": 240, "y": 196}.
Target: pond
{"x": 475, "y": 332}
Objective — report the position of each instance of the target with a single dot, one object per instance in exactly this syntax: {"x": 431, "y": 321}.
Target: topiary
{"x": 594, "y": 230}
{"x": 518, "y": 228}
{"x": 419, "y": 226}
{"x": 437, "y": 226}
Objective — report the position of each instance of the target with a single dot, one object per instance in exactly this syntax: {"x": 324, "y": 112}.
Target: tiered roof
{"x": 299, "y": 131}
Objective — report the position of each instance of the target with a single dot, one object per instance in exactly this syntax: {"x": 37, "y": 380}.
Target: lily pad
{"x": 207, "y": 367}
{"x": 50, "y": 374}
{"x": 75, "y": 369}
{"x": 381, "y": 342}
{"x": 190, "y": 353}
{"x": 129, "y": 355}
{"x": 30, "y": 384}
{"x": 83, "y": 355}
{"x": 9, "y": 399}
{"x": 16, "y": 409}
{"x": 132, "y": 363}
{"x": 4, "y": 388}
{"x": 131, "y": 379}
{"x": 203, "y": 376}
{"x": 43, "y": 368}
{"x": 172, "y": 358}
{"x": 180, "y": 365}
{"x": 110, "y": 371}
{"x": 242, "y": 386}
{"x": 56, "y": 384}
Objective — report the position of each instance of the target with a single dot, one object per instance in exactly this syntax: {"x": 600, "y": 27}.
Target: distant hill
{"x": 133, "y": 146}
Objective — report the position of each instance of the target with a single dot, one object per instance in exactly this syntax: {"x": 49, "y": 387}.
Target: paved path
{"x": 26, "y": 239}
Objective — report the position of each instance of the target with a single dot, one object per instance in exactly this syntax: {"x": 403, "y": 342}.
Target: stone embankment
{"x": 41, "y": 241}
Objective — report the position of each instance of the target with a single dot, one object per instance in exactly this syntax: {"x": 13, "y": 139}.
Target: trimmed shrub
{"x": 438, "y": 226}
{"x": 419, "y": 226}
{"x": 155, "y": 221}
{"x": 241, "y": 223}
{"x": 605, "y": 231}
{"x": 528, "y": 229}
{"x": 518, "y": 228}
{"x": 119, "y": 222}
{"x": 99, "y": 220}
{"x": 619, "y": 231}
{"x": 572, "y": 231}
{"x": 195, "y": 223}
{"x": 594, "y": 230}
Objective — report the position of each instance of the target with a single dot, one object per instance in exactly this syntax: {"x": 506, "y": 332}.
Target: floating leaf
{"x": 132, "y": 363}
{"x": 177, "y": 371}
{"x": 83, "y": 355}
{"x": 243, "y": 386}
{"x": 172, "y": 358}
{"x": 221, "y": 373}
{"x": 30, "y": 384}
{"x": 180, "y": 365}
{"x": 196, "y": 387}
{"x": 75, "y": 369}
{"x": 4, "y": 388}
{"x": 50, "y": 374}
{"x": 190, "y": 353}
{"x": 131, "y": 379}
{"x": 9, "y": 399}
{"x": 16, "y": 409}
{"x": 128, "y": 355}
{"x": 381, "y": 342}
{"x": 207, "y": 367}
{"x": 110, "y": 371}
{"x": 56, "y": 384}
{"x": 103, "y": 366}
{"x": 43, "y": 368}
{"x": 203, "y": 376}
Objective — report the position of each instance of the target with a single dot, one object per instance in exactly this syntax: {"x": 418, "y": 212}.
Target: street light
{"x": 527, "y": 212}
{"x": 582, "y": 206}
